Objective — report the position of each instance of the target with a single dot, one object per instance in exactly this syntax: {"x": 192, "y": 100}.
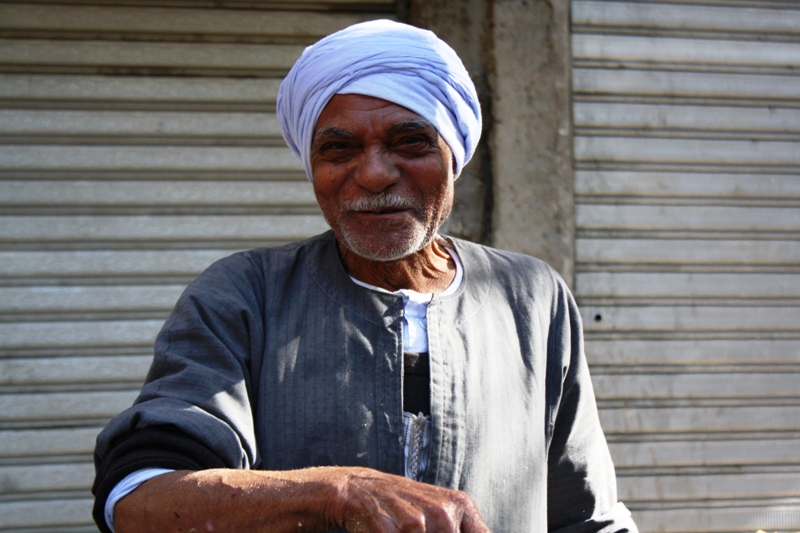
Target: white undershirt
{"x": 415, "y": 308}
{"x": 415, "y": 339}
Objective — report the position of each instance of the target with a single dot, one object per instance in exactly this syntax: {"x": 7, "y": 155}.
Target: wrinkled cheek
{"x": 325, "y": 180}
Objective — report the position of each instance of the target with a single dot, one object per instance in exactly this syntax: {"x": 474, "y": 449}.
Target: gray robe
{"x": 275, "y": 359}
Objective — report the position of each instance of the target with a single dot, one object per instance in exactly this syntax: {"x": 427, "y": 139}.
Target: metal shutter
{"x": 687, "y": 180}
{"x": 138, "y": 144}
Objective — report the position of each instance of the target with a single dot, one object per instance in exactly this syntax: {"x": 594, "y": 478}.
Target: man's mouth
{"x": 380, "y": 204}
{"x": 384, "y": 210}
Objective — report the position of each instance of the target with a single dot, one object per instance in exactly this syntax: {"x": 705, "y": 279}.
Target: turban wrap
{"x": 396, "y": 62}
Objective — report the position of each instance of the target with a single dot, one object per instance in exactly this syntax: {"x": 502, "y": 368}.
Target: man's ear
{"x": 453, "y": 162}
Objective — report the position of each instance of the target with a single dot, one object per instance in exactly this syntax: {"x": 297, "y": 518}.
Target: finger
{"x": 398, "y": 514}
{"x": 384, "y": 514}
{"x": 472, "y": 521}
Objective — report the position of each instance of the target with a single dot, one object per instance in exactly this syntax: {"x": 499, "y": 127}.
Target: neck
{"x": 431, "y": 269}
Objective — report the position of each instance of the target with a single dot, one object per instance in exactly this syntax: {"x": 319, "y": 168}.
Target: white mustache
{"x": 382, "y": 201}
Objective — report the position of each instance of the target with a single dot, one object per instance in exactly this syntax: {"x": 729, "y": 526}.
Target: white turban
{"x": 395, "y": 62}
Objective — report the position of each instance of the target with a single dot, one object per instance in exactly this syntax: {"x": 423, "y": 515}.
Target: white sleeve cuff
{"x": 125, "y": 487}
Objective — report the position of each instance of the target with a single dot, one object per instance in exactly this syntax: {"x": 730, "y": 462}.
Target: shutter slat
{"x": 689, "y": 318}
{"x": 150, "y": 193}
{"x": 25, "y": 335}
{"x": 78, "y": 370}
{"x": 44, "y": 513}
{"x": 154, "y": 123}
{"x": 688, "y": 218}
{"x": 33, "y": 53}
{"x": 101, "y": 90}
{"x": 691, "y": 352}
{"x": 686, "y": 184}
{"x": 719, "y": 119}
{"x": 687, "y": 151}
{"x": 701, "y": 451}
{"x": 695, "y": 419}
{"x": 722, "y": 85}
{"x": 681, "y": 252}
{"x": 48, "y": 443}
{"x": 738, "y": 386}
{"x": 82, "y": 299}
{"x": 147, "y": 158}
{"x": 192, "y": 23}
{"x": 720, "y": 518}
{"x": 71, "y": 405}
{"x": 686, "y": 17}
{"x": 93, "y": 264}
{"x": 147, "y": 228}
{"x": 740, "y": 486}
{"x": 694, "y": 284}
{"x": 47, "y": 477}
{"x": 680, "y": 50}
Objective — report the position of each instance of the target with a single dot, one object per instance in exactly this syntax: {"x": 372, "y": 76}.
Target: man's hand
{"x": 374, "y": 502}
{"x": 312, "y": 500}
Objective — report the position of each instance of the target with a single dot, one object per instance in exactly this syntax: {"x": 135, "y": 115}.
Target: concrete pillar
{"x": 531, "y": 143}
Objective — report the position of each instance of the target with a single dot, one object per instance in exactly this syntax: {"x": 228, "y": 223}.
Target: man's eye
{"x": 414, "y": 142}
{"x": 334, "y": 146}
{"x": 336, "y": 150}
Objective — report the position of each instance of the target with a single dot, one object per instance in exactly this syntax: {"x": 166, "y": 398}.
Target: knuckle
{"x": 412, "y": 525}
{"x": 462, "y": 498}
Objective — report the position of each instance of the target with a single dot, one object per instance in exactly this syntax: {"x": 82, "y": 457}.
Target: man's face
{"x": 382, "y": 175}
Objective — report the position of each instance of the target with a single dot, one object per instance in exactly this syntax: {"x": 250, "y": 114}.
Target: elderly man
{"x": 378, "y": 377}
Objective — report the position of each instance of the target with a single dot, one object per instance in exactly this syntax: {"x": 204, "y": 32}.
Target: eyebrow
{"x": 414, "y": 124}
{"x": 335, "y": 132}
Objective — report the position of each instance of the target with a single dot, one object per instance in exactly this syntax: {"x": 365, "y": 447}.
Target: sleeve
{"x": 582, "y": 487}
{"x": 128, "y": 484}
{"x": 193, "y": 411}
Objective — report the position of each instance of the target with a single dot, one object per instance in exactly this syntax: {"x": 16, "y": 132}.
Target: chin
{"x": 382, "y": 251}
{"x": 384, "y": 248}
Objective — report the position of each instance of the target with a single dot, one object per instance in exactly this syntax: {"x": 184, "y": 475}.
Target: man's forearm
{"x": 308, "y": 500}
{"x": 229, "y": 500}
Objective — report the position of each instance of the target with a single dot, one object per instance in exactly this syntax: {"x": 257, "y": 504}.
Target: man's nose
{"x": 376, "y": 170}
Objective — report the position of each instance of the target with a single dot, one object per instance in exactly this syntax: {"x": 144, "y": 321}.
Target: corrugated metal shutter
{"x": 137, "y": 145}
{"x": 687, "y": 179}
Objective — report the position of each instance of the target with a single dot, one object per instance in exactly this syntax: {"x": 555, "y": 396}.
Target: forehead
{"x": 351, "y": 111}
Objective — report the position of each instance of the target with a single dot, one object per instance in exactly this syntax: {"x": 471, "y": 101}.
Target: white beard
{"x": 397, "y": 244}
